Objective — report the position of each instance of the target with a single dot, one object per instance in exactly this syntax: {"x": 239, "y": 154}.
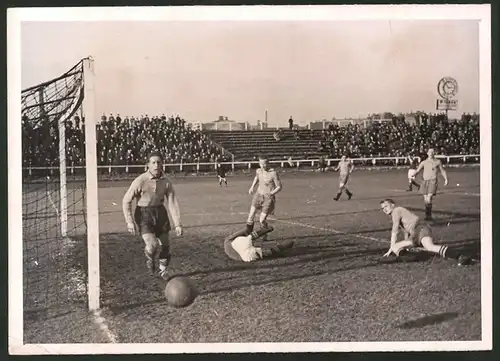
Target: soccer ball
{"x": 180, "y": 292}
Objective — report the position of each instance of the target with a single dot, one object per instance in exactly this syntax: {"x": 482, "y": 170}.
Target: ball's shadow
{"x": 428, "y": 320}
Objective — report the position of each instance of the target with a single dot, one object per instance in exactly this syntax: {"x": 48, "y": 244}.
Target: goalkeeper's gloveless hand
{"x": 131, "y": 227}
{"x": 388, "y": 253}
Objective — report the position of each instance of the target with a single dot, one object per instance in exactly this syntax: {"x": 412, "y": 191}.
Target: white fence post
{"x": 233, "y": 163}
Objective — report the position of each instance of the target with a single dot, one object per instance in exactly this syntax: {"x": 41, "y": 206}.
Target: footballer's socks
{"x": 261, "y": 232}
{"x": 428, "y": 211}
{"x": 349, "y": 194}
{"x": 447, "y": 252}
{"x": 249, "y": 227}
{"x": 150, "y": 264}
{"x": 164, "y": 255}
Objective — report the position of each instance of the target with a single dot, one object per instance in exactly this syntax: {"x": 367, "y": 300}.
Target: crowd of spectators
{"x": 120, "y": 141}
{"x": 399, "y": 138}
{"x": 127, "y": 141}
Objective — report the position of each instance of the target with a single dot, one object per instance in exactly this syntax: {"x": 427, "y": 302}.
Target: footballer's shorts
{"x": 343, "y": 179}
{"x": 152, "y": 219}
{"x": 265, "y": 203}
{"x": 429, "y": 187}
{"x": 420, "y": 231}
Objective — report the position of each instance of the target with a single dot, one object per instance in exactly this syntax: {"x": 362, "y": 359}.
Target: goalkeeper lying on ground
{"x": 239, "y": 246}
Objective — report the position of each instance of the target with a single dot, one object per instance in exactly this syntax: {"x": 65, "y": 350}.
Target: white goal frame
{"x": 92, "y": 197}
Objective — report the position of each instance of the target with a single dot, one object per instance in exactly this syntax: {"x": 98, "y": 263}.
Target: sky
{"x": 309, "y": 70}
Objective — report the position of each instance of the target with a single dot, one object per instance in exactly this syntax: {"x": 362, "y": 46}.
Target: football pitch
{"x": 332, "y": 286}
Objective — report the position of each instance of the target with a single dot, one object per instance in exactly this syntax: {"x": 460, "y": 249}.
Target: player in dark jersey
{"x": 221, "y": 174}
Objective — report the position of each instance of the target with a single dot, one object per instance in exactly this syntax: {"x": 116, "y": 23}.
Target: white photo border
{"x": 15, "y": 17}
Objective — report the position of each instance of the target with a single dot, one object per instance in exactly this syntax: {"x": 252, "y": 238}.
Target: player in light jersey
{"x": 268, "y": 184}
{"x": 431, "y": 166}
{"x": 345, "y": 167}
{"x": 239, "y": 246}
{"x": 150, "y": 218}
{"x": 416, "y": 233}
{"x": 412, "y": 174}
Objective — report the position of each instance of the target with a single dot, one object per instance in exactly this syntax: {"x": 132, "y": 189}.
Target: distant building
{"x": 223, "y": 123}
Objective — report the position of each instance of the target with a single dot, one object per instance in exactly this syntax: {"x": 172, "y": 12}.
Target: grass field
{"x": 333, "y": 286}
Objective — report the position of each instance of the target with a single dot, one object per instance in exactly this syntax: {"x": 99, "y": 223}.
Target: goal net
{"x": 54, "y": 205}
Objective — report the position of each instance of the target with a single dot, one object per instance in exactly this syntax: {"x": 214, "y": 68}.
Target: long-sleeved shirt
{"x": 239, "y": 246}
{"x": 151, "y": 191}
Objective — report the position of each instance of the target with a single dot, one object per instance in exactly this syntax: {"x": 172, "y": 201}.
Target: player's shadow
{"x": 380, "y": 198}
{"x": 307, "y": 255}
{"x": 117, "y": 309}
{"x": 331, "y": 214}
{"x": 428, "y": 320}
{"x": 353, "y": 260}
{"x": 434, "y": 223}
{"x": 451, "y": 215}
{"x": 451, "y": 221}
{"x": 45, "y": 314}
{"x": 303, "y": 261}
{"x": 315, "y": 262}
{"x": 470, "y": 247}
{"x": 277, "y": 279}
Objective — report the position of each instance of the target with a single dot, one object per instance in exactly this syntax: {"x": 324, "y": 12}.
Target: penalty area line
{"x": 442, "y": 193}
{"x": 464, "y": 194}
{"x": 329, "y": 230}
{"x": 214, "y": 214}
{"x": 379, "y": 240}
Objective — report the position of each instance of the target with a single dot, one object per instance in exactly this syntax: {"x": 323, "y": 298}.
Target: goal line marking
{"x": 100, "y": 321}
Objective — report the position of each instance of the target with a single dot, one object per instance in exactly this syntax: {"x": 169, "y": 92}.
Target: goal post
{"x": 63, "y": 191}
{"x": 60, "y": 193}
{"x": 92, "y": 185}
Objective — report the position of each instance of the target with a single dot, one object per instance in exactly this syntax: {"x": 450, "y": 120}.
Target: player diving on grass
{"x": 268, "y": 184}
{"x": 221, "y": 174}
{"x": 416, "y": 234}
{"x": 150, "y": 219}
{"x": 239, "y": 246}
{"x": 431, "y": 166}
{"x": 345, "y": 167}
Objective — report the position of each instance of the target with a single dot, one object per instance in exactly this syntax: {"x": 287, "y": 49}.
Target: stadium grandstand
{"x": 122, "y": 140}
